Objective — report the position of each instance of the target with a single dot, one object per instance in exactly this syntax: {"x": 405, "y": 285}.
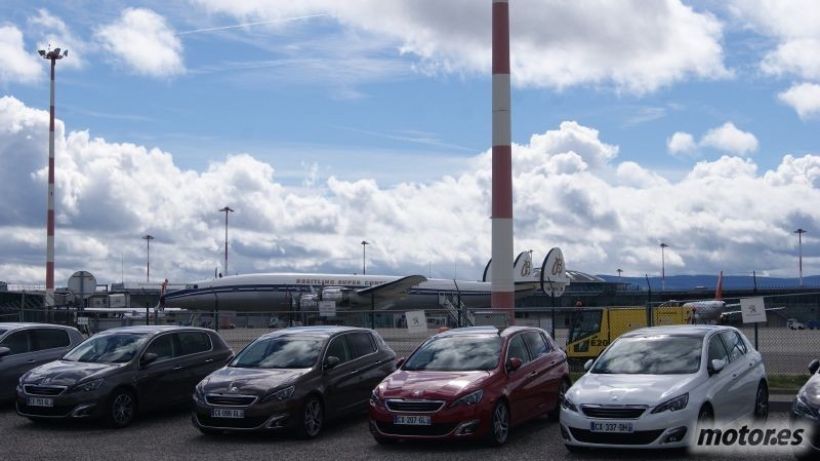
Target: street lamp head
{"x": 42, "y": 53}
{"x": 365, "y": 242}
{"x": 800, "y": 231}
{"x": 663, "y": 245}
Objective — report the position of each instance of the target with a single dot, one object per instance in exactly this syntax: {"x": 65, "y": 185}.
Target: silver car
{"x": 24, "y": 346}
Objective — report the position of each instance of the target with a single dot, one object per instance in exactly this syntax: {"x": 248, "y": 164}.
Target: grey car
{"x": 295, "y": 379}
{"x": 806, "y": 410}
{"x": 119, "y": 372}
{"x": 24, "y": 346}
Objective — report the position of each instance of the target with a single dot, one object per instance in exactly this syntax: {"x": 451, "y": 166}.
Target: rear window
{"x": 361, "y": 344}
{"x": 193, "y": 342}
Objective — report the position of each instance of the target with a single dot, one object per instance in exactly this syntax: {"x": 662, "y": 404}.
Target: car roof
{"x": 317, "y": 330}
{"x": 487, "y": 330}
{"x": 682, "y": 330}
{"x": 152, "y": 329}
{"x": 9, "y": 326}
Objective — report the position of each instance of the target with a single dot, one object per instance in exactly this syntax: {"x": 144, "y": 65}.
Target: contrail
{"x": 248, "y": 24}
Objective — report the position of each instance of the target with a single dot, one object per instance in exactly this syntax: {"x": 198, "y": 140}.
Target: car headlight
{"x": 281, "y": 394}
{"x": 567, "y": 404}
{"x": 678, "y": 403}
{"x": 803, "y": 407}
{"x": 88, "y": 386}
{"x": 376, "y": 399}
{"x": 470, "y": 399}
{"x": 199, "y": 392}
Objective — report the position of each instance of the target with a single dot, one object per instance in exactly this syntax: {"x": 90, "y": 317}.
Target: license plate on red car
{"x": 406, "y": 420}
{"x": 611, "y": 427}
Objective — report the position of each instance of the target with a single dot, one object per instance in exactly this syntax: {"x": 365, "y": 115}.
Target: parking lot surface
{"x": 169, "y": 435}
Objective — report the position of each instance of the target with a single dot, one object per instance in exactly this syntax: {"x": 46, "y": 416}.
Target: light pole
{"x": 53, "y": 56}
{"x": 619, "y": 273}
{"x": 800, "y": 233}
{"x": 147, "y": 238}
{"x": 663, "y": 267}
{"x": 226, "y": 210}
{"x": 364, "y": 257}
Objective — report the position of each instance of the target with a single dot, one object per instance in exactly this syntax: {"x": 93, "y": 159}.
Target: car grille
{"x": 634, "y": 438}
{"x": 231, "y": 423}
{"x": 415, "y": 406}
{"x": 613, "y": 412}
{"x": 43, "y": 390}
{"x": 433, "y": 430}
{"x": 231, "y": 400}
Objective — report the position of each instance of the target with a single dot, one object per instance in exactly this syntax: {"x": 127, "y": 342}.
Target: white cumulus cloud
{"x": 143, "y": 41}
{"x": 681, "y": 143}
{"x": 728, "y": 138}
{"x": 17, "y": 63}
{"x": 803, "y": 98}
{"x": 554, "y": 43}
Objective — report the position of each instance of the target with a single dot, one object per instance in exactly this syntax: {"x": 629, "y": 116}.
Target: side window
{"x": 163, "y": 346}
{"x": 193, "y": 342}
{"x": 548, "y": 342}
{"x": 360, "y": 344}
{"x": 49, "y": 339}
{"x": 734, "y": 344}
{"x": 716, "y": 349}
{"x": 18, "y": 342}
{"x": 517, "y": 349}
{"x": 536, "y": 343}
{"x": 338, "y": 348}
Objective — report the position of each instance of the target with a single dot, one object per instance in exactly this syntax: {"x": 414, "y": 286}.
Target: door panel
{"x": 341, "y": 382}
{"x": 14, "y": 365}
{"x": 162, "y": 382}
{"x": 522, "y": 388}
{"x": 722, "y": 382}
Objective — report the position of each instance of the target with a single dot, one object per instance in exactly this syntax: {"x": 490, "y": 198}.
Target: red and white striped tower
{"x": 503, "y": 289}
{"x": 53, "y": 56}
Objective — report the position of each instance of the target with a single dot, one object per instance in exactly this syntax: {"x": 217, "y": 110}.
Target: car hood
{"x": 446, "y": 385}
{"x": 250, "y": 380}
{"x": 629, "y": 389}
{"x": 67, "y": 373}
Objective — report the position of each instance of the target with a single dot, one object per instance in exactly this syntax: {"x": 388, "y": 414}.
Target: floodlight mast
{"x": 53, "y": 56}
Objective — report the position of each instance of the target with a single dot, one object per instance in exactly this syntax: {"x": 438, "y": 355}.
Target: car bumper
{"x": 73, "y": 405}
{"x": 650, "y": 431}
{"x": 268, "y": 416}
{"x": 448, "y": 423}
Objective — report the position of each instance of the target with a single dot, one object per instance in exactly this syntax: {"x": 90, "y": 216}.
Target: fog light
{"x": 564, "y": 433}
{"x": 467, "y": 428}
{"x": 277, "y": 421}
{"x": 83, "y": 411}
{"x": 675, "y": 435}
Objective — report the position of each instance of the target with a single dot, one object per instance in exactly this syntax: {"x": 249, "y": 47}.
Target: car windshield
{"x": 651, "y": 355}
{"x": 456, "y": 353}
{"x": 108, "y": 348}
{"x": 280, "y": 352}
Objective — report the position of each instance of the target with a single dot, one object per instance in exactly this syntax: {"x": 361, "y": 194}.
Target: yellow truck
{"x": 591, "y": 330}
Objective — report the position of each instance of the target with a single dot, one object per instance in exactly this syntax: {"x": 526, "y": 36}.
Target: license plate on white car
{"x": 412, "y": 420}
{"x": 39, "y": 402}
{"x": 227, "y": 413}
{"x": 611, "y": 427}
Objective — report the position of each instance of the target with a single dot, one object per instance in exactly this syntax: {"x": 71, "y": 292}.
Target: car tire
{"x": 122, "y": 408}
{"x": 312, "y": 418}
{"x": 562, "y": 391}
{"x": 761, "y": 410}
{"x": 706, "y": 416}
{"x": 499, "y": 424}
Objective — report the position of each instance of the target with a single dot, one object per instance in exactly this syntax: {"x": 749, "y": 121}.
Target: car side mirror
{"x": 813, "y": 366}
{"x": 331, "y": 361}
{"x": 148, "y": 357}
{"x": 399, "y": 362}
{"x": 716, "y": 365}
{"x": 4, "y": 351}
{"x": 588, "y": 364}
{"x": 513, "y": 363}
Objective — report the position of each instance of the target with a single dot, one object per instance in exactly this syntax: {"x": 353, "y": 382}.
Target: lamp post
{"x": 226, "y": 210}
{"x": 147, "y": 238}
{"x": 364, "y": 255}
{"x": 53, "y": 56}
{"x": 800, "y": 233}
{"x": 619, "y": 273}
{"x": 663, "y": 267}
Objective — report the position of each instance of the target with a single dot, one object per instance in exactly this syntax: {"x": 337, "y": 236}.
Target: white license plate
{"x": 227, "y": 413}
{"x": 39, "y": 402}
{"x": 611, "y": 427}
{"x": 412, "y": 420}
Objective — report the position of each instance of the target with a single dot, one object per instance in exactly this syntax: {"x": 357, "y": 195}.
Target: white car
{"x": 651, "y": 387}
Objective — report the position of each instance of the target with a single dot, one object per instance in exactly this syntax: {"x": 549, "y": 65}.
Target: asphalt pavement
{"x": 170, "y": 435}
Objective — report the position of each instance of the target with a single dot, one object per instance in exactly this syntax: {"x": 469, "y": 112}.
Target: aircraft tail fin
{"x": 719, "y": 287}
{"x": 522, "y": 268}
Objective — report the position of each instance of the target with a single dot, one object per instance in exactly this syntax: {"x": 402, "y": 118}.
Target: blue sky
{"x": 324, "y": 123}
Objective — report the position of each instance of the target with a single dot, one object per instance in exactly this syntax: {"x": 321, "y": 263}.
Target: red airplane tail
{"x": 719, "y": 287}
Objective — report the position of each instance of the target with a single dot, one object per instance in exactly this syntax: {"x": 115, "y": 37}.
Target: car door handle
{"x": 209, "y": 360}
{"x": 177, "y": 368}
{"x": 30, "y": 361}
{"x": 534, "y": 373}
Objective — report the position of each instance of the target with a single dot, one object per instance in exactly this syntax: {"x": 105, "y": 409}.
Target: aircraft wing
{"x": 394, "y": 289}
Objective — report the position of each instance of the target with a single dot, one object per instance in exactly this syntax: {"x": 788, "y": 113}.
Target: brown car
{"x": 294, "y": 378}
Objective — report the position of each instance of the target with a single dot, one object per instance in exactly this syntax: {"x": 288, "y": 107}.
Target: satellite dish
{"x": 82, "y": 284}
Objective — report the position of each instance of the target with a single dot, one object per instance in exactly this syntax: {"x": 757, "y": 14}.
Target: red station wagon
{"x": 471, "y": 383}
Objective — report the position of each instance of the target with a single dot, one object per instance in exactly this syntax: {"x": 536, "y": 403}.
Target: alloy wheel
{"x": 500, "y": 423}
{"x": 122, "y": 409}
{"x": 762, "y": 403}
{"x": 313, "y": 417}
